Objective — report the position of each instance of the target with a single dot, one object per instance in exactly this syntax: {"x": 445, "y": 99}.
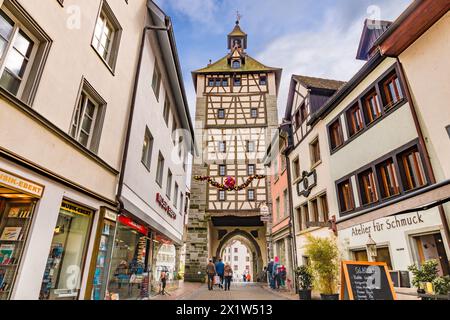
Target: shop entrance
{"x": 16, "y": 215}
{"x": 431, "y": 247}
{"x": 129, "y": 278}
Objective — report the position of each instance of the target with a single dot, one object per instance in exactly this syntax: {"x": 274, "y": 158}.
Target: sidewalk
{"x": 185, "y": 289}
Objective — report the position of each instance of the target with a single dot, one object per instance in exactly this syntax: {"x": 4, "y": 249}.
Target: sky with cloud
{"x": 308, "y": 37}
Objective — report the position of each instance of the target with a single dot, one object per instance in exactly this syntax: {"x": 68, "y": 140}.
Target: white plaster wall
{"x": 427, "y": 69}
{"x": 141, "y": 183}
{"x": 401, "y": 246}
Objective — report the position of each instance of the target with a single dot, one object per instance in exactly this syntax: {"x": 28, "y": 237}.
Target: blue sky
{"x": 308, "y": 37}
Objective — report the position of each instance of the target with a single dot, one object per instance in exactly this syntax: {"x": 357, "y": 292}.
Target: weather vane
{"x": 238, "y": 17}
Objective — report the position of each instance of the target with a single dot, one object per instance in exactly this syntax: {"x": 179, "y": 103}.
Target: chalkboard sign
{"x": 361, "y": 280}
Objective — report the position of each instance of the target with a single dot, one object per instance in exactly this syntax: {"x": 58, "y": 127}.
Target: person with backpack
{"x": 270, "y": 274}
{"x": 228, "y": 275}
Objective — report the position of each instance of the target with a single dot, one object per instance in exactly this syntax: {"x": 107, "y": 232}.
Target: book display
{"x": 15, "y": 221}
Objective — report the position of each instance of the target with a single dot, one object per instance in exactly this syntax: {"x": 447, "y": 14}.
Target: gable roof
{"x": 250, "y": 65}
{"x": 372, "y": 30}
{"x": 222, "y": 65}
{"x": 319, "y": 83}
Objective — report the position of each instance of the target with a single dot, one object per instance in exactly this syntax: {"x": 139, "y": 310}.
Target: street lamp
{"x": 371, "y": 249}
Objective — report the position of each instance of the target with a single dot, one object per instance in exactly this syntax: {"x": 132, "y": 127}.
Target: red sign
{"x": 163, "y": 204}
{"x": 133, "y": 225}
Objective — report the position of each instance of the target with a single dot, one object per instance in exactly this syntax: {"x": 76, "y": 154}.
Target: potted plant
{"x": 304, "y": 279}
{"x": 441, "y": 286}
{"x": 324, "y": 256}
{"x": 424, "y": 275}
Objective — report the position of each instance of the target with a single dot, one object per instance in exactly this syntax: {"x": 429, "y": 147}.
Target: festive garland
{"x": 229, "y": 184}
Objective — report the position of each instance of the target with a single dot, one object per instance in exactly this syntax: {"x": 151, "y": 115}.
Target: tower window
{"x": 254, "y": 112}
{"x": 263, "y": 80}
{"x": 211, "y": 82}
{"x": 237, "y": 82}
{"x": 225, "y": 82}
{"x": 221, "y": 113}
{"x": 236, "y": 64}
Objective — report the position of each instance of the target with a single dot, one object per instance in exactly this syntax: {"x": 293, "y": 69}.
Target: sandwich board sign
{"x": 362, "y": 280}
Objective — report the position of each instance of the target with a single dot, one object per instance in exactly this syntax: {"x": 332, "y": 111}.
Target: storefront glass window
{"x": 63, "y": 272}
{"x": 128, "y": 277}
{"x": 16, "y": 212}
{"x": 103, "y": 260}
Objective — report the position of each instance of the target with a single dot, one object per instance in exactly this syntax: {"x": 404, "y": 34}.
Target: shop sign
{"x": 266, "y": 218}
{"x": 9, "y": 180}
{"x": 73, "y": 208}
{"x": 163, "y": 204}
{"x": 110, "y": 215}
{"x": 133, "y": 225}
{"x": 388, "y": 224}
{"x": 307, "y": 183}
{"x": 264, "y": 210}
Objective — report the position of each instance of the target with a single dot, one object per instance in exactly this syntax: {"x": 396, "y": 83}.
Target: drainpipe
{"x": 423, "y": 146}
{"x": 167, "y": 28}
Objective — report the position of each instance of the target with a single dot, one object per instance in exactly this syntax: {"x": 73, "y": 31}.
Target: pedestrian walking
{"x": 210, "y": 272}
{"x": 270, "y": 274}
{"x": 244, "y": 278}
{"x": 163, "y": 282}
{"x": 249, "y": 277}
{"x": 283, "y": 276}
{"x": 228, "y": 274}
{"x": 275, "y": 273}
{"x": 220, "y": 266}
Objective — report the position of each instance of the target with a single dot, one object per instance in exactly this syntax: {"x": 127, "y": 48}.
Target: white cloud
{"x": 327, "y": 52}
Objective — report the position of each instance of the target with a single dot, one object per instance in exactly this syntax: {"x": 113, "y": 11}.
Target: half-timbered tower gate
{"x": 236, "y": 117}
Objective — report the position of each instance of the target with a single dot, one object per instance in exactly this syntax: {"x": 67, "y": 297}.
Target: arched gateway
{"x": 236, "y": 118}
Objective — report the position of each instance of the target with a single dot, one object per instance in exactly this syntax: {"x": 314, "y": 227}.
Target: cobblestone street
{"x": 239, "y": 291}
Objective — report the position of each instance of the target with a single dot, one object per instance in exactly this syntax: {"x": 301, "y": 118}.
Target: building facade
{"x": 309, "y": 162}
{"x": 239, "y": 257}
{"x": 386, "y": 194}
{"x": 72, "y": 81}
{"x": 235, "y": 116}
{"x": 281, "y": 244}
{"x": 60, "y": 171}
{"x": 152, "y": 188}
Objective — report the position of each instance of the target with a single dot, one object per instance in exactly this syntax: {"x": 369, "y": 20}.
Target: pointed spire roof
{"x": 237, "y": 31}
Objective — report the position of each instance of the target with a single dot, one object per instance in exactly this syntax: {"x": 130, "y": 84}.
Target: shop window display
{"x": 63, "y": 272}
{"x": 128, "y": 277}
{"x": 16, "y": 213}
{"x": 103, "y": 260}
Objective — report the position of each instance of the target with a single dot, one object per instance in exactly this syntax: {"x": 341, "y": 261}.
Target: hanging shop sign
{"x": 163, "y": 204}
{"x": 133, "y": 225}
{"x": 20, "y": 184}
{"x": 110, "y": 215}
{"x": 307, "y": 183}
{"x": 361, "y": 280}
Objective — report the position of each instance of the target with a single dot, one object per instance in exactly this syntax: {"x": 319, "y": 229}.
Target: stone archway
{"x": 250, "y": 242}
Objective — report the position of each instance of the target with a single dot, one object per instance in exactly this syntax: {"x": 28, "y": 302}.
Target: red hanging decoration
{"x": 230, "y": 183}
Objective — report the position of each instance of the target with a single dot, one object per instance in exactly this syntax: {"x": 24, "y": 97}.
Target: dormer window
{"x": 236, "y": 64}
